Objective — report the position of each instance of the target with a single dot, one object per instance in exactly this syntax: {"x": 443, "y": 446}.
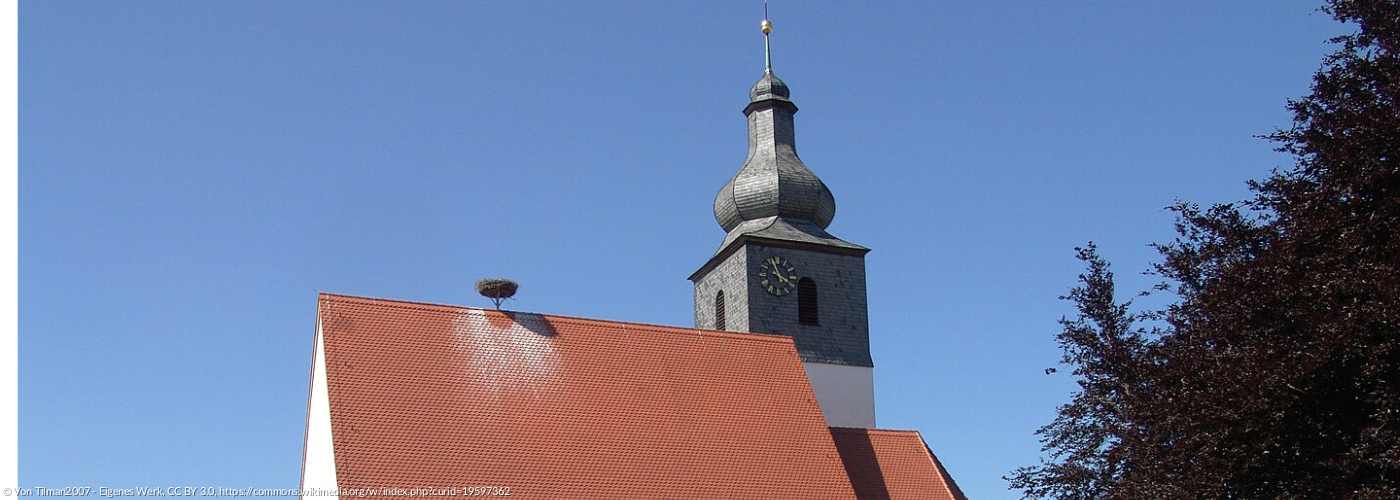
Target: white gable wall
{"x": 318, "y": 464}
{"x": 846, "y": 393}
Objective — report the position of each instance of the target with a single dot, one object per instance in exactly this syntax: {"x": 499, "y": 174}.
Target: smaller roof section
{"x": 893, "y": 465}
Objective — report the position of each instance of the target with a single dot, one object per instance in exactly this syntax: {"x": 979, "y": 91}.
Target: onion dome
{"x": 773, "y": 181}
{"x": 769, "y": 87}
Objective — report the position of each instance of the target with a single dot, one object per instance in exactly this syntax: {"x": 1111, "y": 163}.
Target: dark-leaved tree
{"x": 1275, "y": 371}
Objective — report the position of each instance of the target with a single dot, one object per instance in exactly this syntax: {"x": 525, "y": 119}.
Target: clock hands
{"x": 775, "y": 276}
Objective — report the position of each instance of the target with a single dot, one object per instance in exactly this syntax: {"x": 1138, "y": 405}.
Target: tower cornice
{"x": 740, "y": 240}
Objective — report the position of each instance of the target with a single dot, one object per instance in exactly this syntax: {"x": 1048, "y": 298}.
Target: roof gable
{"x": 555, "y": 407}
{"x": 889, "y": 464}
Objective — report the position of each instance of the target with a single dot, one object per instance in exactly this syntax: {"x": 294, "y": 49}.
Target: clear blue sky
{"x": 192, "y": 173}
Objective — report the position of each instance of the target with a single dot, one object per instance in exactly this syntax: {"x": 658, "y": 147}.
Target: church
{"x": 769, "y": 395}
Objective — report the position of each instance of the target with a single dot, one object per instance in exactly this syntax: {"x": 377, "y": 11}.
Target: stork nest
{"x": 496, "y": 288}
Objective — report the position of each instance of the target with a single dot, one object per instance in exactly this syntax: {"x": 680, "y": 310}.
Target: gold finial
{"x": 767, "y": 28}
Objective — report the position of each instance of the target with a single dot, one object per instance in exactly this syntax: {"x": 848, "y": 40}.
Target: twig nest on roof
{"x": 496, "y": 288}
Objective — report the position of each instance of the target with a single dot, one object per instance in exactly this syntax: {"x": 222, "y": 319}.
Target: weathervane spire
{"x": 767, "y": 28}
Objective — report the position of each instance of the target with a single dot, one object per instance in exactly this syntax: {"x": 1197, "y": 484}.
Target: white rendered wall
{"x": 845, "y": 393}
{"x": 318, "y": 466}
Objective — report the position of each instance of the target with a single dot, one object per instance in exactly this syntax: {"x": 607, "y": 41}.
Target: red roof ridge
{"x": 430, "y": 306}
{"x": 853, "y": 430}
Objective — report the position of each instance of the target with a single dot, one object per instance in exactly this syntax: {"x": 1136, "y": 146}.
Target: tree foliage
{"x": 1275, "y": 371}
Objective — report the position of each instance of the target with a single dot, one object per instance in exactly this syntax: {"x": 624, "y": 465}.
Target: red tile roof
{"x": 435, "y": 396}
{"x": 886, "y": 464}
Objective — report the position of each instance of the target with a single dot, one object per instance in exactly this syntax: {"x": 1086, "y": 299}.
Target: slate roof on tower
{"x": 774, "y": 195}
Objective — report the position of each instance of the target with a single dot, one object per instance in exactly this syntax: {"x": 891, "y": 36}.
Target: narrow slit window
{"x": 807, "y": 301}
{"x": 719, "y": 310}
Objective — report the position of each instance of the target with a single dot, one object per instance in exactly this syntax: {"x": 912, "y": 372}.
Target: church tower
{"x": 778, "y": 271}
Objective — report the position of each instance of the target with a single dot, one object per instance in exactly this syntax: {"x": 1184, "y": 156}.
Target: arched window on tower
{"x": 807, "y": 301}
{"x": 719, "y": 310}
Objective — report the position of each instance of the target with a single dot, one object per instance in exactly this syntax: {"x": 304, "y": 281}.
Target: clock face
{"x": 777, "y": 276}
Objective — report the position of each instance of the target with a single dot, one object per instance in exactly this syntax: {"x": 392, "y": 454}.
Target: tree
{"x": 1087, "y": 438}
{"x": 1275, "y": 371}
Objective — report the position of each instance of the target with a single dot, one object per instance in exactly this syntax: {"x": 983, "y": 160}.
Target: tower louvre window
{"x": 719, "y": 310}
{"x": 806, "y": 301}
